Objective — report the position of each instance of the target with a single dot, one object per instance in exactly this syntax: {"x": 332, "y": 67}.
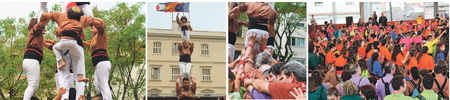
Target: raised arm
{"x": 87, "y": 43}
{"x": 259, "y": 85}
{"x": 194, "y": 84}
{"x": 178, "y": 20}
{"x": 96, "y": 24}
{"x": 177, "y": 86}
{"x": 236, "y": 11}
{"x": 191, "y": 47}
{"x": 234, "y": 63}
{"x": 180, "y": 46}
{"x": 99, "y": 25}
{"x": 249, "y": 47}
{"x": 271, "y": 24}
{"x": 45, "y": 17}
{"x": 237, "y": 82}
{"x": 61, "y": 92}
{"x": 49, "y": 44}
{"x": 441, "y": 34}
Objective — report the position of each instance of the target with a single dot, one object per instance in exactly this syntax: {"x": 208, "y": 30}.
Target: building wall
{"x": 167, "y": 60}
{"x": 300, "y": 51}
{"x": 323, "y": 11}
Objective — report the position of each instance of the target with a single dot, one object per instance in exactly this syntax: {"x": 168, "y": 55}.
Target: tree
{"x": 290, "y": 14}
{"x": 126, "y": 34}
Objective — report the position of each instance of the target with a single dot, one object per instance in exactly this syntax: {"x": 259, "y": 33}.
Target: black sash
{"x": 99, "y": 55}
{"x": 74, "y": 35}
{"x": 258, "y": 23}
{"x": 34, "y": 53}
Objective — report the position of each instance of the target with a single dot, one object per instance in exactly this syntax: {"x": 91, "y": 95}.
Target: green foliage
{"x": 126, "y": 37}
{"x": 290, "y": 14}
{"x": 56, "y": 8}
{"x": 126, "y": 34}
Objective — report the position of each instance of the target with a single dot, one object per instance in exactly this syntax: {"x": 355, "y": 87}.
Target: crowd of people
{"x": 379, "y": 60}
{"x": 255, "y": 74}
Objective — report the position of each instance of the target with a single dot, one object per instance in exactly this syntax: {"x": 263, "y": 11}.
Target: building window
{"x": 175, "y": 73}
{"x": 204, "y": 49}
{"x": 350, "y": 3}
{"x": 318, "y": 4}
{"x": 302, "y": 24}
{"x": 155, "y": 70}
{"x": 298, "y": 42}
{"x": 156, "y": 47}
{"x": 302, "y": 42}
{"x": 206, "y": 73}
{"x": 175, "y": 49}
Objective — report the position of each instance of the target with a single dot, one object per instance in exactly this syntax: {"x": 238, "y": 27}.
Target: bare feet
{"x": 61, "y": 64}
{"x": 62, "y": 91}
{"x": 81, "y": 97}
{"x": 81, "y": 78}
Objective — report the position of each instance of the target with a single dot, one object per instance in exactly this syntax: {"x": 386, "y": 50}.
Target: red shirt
{"x": 281, "y": 90}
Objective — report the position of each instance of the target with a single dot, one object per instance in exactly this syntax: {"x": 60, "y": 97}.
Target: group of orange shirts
{"x": 426, "y": 61}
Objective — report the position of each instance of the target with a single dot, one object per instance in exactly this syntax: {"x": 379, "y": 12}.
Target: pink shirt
{"x": 376, "y": 28}
{"x": 417, "y": 39}
{"x": 407, "y": 41}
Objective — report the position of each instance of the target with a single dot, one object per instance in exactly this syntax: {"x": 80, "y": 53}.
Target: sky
{"x": 22, "y": 9}
{"x": 204, "y": 16}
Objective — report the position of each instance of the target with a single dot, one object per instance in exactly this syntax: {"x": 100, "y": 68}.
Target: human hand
{"x": 193, "y": 79}
{"x": 298, "y": 94}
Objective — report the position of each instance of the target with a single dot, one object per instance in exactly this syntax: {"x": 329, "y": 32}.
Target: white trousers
{"x": 185, "y": 35}
{"x": 231, "y": 50}
{"x": 79, "y": 86}
{"x": 87, "y": 10}
{"x": 32, "y": 70}
{"x": 76, "y": 53}
{"x": 64, "y": 78}
{"x": 260, "y": 35}
{"x": 101, "y": 77}
{"x": 185, "y": 67}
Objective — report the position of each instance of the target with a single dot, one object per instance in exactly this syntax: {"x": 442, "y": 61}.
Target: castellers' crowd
{"x": 379, "y": 60}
